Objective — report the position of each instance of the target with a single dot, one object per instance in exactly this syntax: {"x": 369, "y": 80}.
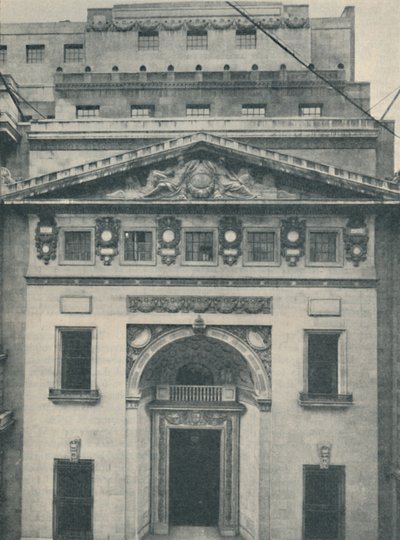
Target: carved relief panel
{"x": 46, "y": 236}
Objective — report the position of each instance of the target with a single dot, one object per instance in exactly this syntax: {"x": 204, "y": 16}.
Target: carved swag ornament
{"x": 356, "y": 240}
{"x": 107, "y": 238}
{"x": 46, "y": 236}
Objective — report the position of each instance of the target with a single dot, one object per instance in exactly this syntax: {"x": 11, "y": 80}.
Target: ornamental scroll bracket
{"x": 230, "y": 239}
{"x": 107, "y": 238}
{"x": 356, "y": 240}
{"x": 46, "y": 236}
{"x": 169, "y": 239}
{"x": 293, "y": 237}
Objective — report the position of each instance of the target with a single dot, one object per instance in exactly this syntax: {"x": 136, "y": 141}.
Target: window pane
{"x": 76, "y": 354}
{"x": 77, "y": 245}
{"x": 196, "y": 40}
{"x": 138, "y": 246}
{"x": 260, "y": 246}
{"x": 3, "y": 54}
{"x": 246, "y": 39}
{"x": 148, "y": 41}
{"x": 142, "y": 110}
{"x": 323, "y": 363}
{"x": 253, "y": 110}
{"x": 73, "y": 53}
{"x": 85, "y": 111}
{"x": 310, "y": 110}
{"x": 199, "y": 246}
{"x": 197, "y": 110}
{"x": 34, "y": 54}
{"x": 323, "y": 247}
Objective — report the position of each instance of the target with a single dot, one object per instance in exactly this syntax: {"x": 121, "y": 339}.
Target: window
{"x": 77, "y": 246}
{"x": 73, "y": 53}
{"x": 197, "y": 110}
{"x": 260, "y": 247}
{"x": 87, "y": 111}
{"x": 76, "y": 357}
{"x": 246, "y": 39}
{"x": 323, "y": 351}
{"x": 3, "y": 54}
{"x": 148, "y": 41}
{"x": 142, "y": 111}
{"x": 324, "y": 503}
{"x": 253, "y": 110}
{"x": 73, "y": 499}
{"x": 138, "y": 246}
{"x": 323, "y": 248}
{"x": 199, "y": 247}
{"x": 34, "y": 54}
{"x": 312, "y": 111}
{"x": 197, "y": 40}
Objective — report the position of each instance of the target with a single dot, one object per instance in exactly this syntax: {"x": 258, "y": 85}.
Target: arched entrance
{"x": 195, "y": 386}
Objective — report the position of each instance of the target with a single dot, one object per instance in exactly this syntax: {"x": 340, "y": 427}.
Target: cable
{"x": 14, "y": 96}
{"x": 242, "y": 12}
{"x": 383, "y": 99}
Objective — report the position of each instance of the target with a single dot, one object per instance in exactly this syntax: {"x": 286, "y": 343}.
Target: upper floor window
{"x": 197, "y": 39}
{"x": 260, "y": 247}
{"x": 34, "y": 54}
{"x": 197, "y": 110}
{"x": 73, "y": 499}
{"x": 3, "y": 54}
{"x": 73, "y": 53}
{"x": 77, "y": 246}
{"x": 310, "y": 110}
{"x": 142, "y": 110}
{"x": 75, "y": 369}
{"x": 323, "y": 362}
{"x": 252, "y": 109}
{"x": 323, "y": 247}
{"x": 87, "y": 111}
{"x": 323, "y": 508}
{"x": 148, "y": 41}
{"x": 200, "y": 246}
{"x": 138, "y": 246}
{"x": 246, "y": 39}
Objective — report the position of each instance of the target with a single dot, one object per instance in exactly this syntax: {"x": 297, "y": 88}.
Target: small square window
{"x": 140, "y": 111}
{"x": 148, "y": 41}
{"x": 253, "y": 110}
{"x": 196, "y": 40}
{"x": 73, "y": 499}
{"x": 73, "y": 53}
{"x": 260, "y": 247}
{"x": 324, "y": 506}
{"x": 87, "y": 111}
{"x": 77, "y": 246}
{"x": 34, "y": 54}
{"x": 312, "y": 111}
{"x": 197, "y": 110}
{"x": 3, "y": 54}
{"x": 200, "y": 247}
{"x": 323, "y": 248}
{"x": 246, "y": 39}
{"x": 138, "y": 246}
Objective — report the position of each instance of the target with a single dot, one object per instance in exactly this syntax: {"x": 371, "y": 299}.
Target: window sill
{"x": 58, "y": 395}
{"x": 325, "y": 400}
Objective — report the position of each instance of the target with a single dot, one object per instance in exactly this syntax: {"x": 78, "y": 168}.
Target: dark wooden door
{"x": 194, "y": 477}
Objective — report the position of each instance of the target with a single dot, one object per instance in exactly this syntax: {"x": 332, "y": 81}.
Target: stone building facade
{"x": 199, "y": 279}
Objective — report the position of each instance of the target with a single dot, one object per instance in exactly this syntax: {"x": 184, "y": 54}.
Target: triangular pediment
{"x": 200, "y": 167}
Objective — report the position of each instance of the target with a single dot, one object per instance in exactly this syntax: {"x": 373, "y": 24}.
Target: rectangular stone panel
{"x": 324, "y": 307}
{"x": 75, "y": 304}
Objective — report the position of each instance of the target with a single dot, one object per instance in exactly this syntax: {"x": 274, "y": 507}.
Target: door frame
{"x": 226, "y": 420}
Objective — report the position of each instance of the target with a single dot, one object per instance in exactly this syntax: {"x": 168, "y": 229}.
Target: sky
{"x": 377, "y": 37}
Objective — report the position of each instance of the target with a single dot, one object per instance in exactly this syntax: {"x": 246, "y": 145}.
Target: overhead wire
{"x": 294, "y": 55}
{"x": 383, "y": 99}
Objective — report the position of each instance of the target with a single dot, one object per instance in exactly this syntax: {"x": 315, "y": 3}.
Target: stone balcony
{"x": 196, "y": 393}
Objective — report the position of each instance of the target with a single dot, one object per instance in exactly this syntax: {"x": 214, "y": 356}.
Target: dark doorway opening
{"x": 194, "y": 472}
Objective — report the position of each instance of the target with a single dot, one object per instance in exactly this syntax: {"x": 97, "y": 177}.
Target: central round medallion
{"x": 230, "y": 236}
{"x": 293, "y": 236}
{"x": 168, "y": 236}
{"x": 106, "y": 236}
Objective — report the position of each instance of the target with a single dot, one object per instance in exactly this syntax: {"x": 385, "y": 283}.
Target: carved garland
{"x": 230, "y": 239}
{"x": 46, "y": 235}
{"x": 169, "y": 238}
{"x": 107, "y": 238}
{"x": 293, "y": 237}
{"x": 356, "y": 240}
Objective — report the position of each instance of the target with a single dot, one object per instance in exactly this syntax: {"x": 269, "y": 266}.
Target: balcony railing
{"x": 196, "y": 393}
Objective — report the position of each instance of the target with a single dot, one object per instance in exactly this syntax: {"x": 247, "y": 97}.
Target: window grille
{"x": 260, "y": 246}
{"x": 197, "y": 110}
{"x": 138, "y": 246}
{"x": 322, "y": 363}
{"x": 138, "y": 111}
{"x": 73, "y": 53}
{"x": 76, "y": 357}
{"x": 34, "y": 54}
{"x": 199, "y": 246}
{"x": 253, "y": 110}
{"x": 312, "y": 111}
{"x": 246, "y": 39}
{"x": 323, "y": 247}
{"x": 78, "y": 246}
{"x": 197, "y": 40}
{"x": 148, "y": 41}
{"x": 3, "y": 54}
{"x": 73, "y": 500}
{"x": 87, "y": 111}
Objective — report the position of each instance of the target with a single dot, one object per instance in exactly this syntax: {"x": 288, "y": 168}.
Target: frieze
{"x": 196, "y": 418}
{"x": 200, "y": 304}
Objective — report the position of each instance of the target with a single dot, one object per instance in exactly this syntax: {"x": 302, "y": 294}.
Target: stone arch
{"x": 262, "y": 386}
